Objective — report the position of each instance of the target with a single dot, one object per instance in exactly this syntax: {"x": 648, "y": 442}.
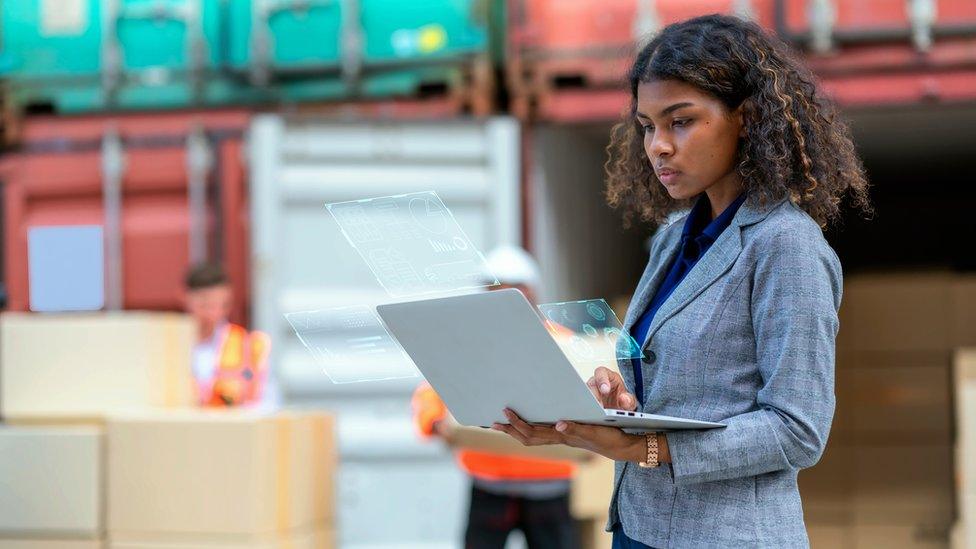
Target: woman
{"x": 737, "y": 308}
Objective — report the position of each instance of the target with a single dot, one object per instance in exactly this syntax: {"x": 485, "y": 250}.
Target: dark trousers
{"x": 621, "y": 541}
{"x": 545, "y": 523}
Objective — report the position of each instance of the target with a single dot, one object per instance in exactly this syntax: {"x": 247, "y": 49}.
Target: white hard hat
{"x": 513, "y": 265}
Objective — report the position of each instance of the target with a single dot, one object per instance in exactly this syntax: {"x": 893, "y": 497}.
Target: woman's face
{"x": 690, "y": 137}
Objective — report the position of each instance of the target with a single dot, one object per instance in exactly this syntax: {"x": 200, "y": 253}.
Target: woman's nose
{"x": 659, "y": 147}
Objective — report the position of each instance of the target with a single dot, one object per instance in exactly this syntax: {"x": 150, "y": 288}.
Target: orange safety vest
{"x": 428, "y": 408}
{"x": 242, "y": 367}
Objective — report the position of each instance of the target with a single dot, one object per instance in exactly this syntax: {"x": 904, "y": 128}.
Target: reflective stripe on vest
{"x": 241, "y": 367}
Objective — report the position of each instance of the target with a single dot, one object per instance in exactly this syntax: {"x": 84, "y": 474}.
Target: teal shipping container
{"x": 309, "y": 49}
{"x": 83, "y": 55}
{"x": 91, "y": 55}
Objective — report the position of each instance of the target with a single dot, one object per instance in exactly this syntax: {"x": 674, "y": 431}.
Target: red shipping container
{"x": 823, "y": 25}
{"x": 179, "y": 192}
{"x": 583, "y": 43}
{"x": 568, "y": 58}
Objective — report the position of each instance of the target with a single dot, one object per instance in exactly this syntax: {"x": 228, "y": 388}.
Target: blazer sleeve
{"x": 796, "y": 294}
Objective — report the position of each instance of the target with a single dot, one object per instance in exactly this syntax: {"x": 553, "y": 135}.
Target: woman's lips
{"x": 667, "y": 176}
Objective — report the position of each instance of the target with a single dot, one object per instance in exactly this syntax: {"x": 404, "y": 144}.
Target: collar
{"x": 753, "y": 212}
{"x": 698, "y": 222}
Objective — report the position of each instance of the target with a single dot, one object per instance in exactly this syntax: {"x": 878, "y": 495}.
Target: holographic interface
{"x": 588, "y": 332}
{"x": 413, "y": 244}
{"x": 351, "y": 344}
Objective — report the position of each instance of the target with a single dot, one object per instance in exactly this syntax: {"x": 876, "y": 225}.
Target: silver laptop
{"x": 489, "y": 351}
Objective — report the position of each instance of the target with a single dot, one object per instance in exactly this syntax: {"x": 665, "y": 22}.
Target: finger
{"x": 518, "y": 424}
{"x": 603, "y": 380}
{"x": 626, "y": 401}
{"x": 591, "y": 385}
{"x": 510, "y": 431}
{"x": 537, "y": 434}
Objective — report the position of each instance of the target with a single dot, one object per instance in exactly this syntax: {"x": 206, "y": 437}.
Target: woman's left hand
{"x": 609, "y": 442}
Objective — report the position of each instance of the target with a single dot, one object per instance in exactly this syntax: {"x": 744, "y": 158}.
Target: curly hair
{"x": 794, "y": 143}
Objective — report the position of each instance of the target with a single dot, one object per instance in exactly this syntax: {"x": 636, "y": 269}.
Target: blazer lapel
{"x": 715, "y": 263}
{"x": 650, "y": 280}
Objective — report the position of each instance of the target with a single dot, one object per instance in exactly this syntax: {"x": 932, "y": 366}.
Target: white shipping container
{"x": 301, "y": 261}
{"x": 583, "y": 250}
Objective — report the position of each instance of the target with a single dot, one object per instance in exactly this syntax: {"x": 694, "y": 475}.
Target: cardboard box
{"x": 592, "y": 534}
{"x": 894, "y": 398}
{"x": 964, "y": 311}
{"x": 325, "y": 461}
{"x": 218, "y": 473}
{"x": 829, "y": 536}
{"x": 897, "y": 312}
{"x": 51, "y": 544}
{"x": 900, "y": 536}
{"x": 88, "y": 365}
{"x": 908, "y": 311}
{"x": 903, "y": 485}
{"x": 964, "y": 374}
{"x": 486, "y": 440}
{"x": 51, "y": 482}
{"x": 592, "y": 489}
{"x": 957, "y": 536}
{"x": 319, "y": 538}
{"x": 963, "y": 532}
{"x": 826, "y": 489}
{"x": 964, "y": 382}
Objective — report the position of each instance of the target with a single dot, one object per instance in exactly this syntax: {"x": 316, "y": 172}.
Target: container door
{"x": 50, "y": 39}
{"x": 301, "y": 261}
{"x": 604, "y": 36}
{"x": 50, "y": 51}
{"x": 157, "y": 53}
{"x": 826, "y": 24}
{"x": 167, "y": 189}
{"x": 424, "y": 30}
{"x": 296, "y": 36}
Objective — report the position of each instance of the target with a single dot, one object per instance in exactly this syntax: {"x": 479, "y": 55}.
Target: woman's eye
{"x": 648, "y": 128}
{"x": 679, "y": 122}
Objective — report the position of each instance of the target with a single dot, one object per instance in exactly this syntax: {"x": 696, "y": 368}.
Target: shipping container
{"x": 874, "y": 52}
{"x": 168, "y": 190}
{"x": 866, "y": 52}
{"x": 85, "y": 55}
{"x": 825, "y": 25}
{"x": 368, "y": 48}
{"x": 897, "y": 327}
{"x": 566, "y": 45}
{"x": 82, "y": 55}
{"x": 301, "y": 261}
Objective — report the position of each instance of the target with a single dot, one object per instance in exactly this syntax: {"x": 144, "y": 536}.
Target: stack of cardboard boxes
{"x": 221, "y": 481}
{"x": 101, "y": 446}
{"x": 886, "y": 478}
{"x": 589, "y": 500}
{"x": 964, "y": 371}
{"x": 51, "y": 487}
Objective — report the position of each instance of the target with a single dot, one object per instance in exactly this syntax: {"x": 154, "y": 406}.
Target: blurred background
{"x": 142, "y": 137}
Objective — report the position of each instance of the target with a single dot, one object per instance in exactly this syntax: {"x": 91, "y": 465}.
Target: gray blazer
{"x": 747, "y": 338}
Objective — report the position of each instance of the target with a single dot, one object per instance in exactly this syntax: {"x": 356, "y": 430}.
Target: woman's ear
{"x": 743, "y": 114}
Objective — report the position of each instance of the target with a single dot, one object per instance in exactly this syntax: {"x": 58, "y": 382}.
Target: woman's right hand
{"x": 608, "y": 388}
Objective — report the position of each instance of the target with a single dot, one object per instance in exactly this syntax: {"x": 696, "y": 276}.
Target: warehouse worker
{"x": 230, "y": 364}
{"x": 508, "y": 492}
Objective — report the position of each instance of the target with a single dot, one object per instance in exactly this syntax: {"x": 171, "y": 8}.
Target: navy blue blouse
{"x": 697, "y": 236}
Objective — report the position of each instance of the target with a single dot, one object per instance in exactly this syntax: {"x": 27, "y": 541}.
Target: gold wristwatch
{"x": 651, "y": 451}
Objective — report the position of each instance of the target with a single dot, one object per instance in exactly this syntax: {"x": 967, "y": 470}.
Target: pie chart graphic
{"x": 430, "y": 214}
{"x": 596, "y": 312}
